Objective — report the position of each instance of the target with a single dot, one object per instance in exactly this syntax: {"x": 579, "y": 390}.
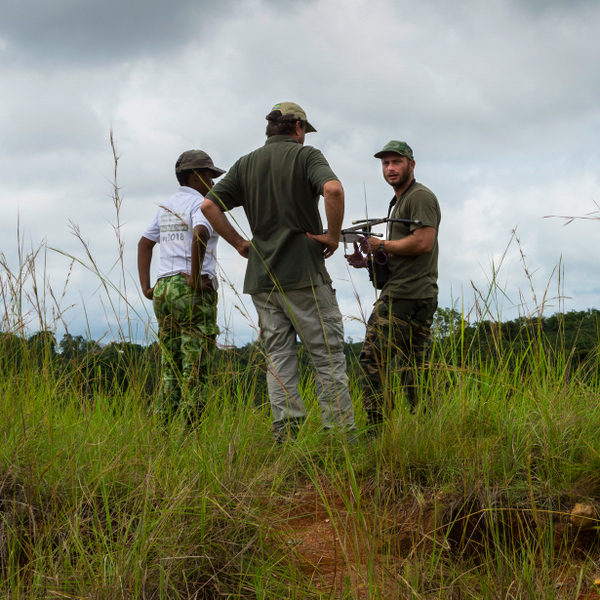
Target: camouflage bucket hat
{"x": 197, "y": 159}
{"x": 401, "y": 148}
{"x": 293, "y": 110}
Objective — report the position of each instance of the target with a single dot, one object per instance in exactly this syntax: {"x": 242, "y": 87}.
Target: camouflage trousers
{"x": 397, "y": 340}
{"x": 187, "y": 330}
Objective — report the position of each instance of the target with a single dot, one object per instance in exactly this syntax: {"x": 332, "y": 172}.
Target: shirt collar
{"x": 274, "y": 139}
{"x": 188, "y": 190}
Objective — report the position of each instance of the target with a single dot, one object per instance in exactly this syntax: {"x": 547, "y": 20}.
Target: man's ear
{"x": 204, "y": 176}
{"x": 190, "y": 179}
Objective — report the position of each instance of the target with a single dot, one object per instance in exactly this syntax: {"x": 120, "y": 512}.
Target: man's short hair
{"x": 283, "y": 118}
{"x": 182, "y": 176}
{"x": 279, "y": 124}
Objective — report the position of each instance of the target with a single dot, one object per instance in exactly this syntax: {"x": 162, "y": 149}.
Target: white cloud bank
{"x": 499, "y": 101}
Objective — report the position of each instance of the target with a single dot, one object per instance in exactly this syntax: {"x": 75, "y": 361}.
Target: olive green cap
{"x": 401, "y": 148}
{"x": 293, "y": 110}
{"x": 197, "y": 159}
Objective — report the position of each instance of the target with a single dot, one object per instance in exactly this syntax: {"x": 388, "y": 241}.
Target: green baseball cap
{"x": 293, "y": 110}
{"x": 401, "y": 148}
{"x": 197, "y": 159}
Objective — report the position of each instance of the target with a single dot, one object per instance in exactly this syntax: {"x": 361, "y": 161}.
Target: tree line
{"x": 571, "y": 337}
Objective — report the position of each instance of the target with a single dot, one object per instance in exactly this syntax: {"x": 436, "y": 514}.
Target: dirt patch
{"x": 331, "y": 543}
{"x": 342, "y": 547}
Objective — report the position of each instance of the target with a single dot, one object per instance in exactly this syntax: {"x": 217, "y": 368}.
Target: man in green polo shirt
{"x": 278, "y": 186}
{"x": 399, "y": 329}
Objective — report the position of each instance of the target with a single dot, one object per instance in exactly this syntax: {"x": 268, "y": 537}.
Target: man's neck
{"x": 202, "y": 191}
{"x": 400, "y": 190}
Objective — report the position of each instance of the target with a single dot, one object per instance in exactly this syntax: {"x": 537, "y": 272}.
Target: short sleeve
{"x": 318, "y": 170}
{"x": 424, "y": 207}
{"x": 198, "y": 218}
{"x": 226, "y": 193}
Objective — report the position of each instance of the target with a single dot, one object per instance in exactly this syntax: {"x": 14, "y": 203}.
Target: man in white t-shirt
{"x": 185, "y": 294}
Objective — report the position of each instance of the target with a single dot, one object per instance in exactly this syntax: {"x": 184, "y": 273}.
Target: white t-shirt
{"x": 173, "y": 228}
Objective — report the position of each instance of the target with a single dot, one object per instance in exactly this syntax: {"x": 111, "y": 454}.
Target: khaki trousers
{"x": 312, "y": 314}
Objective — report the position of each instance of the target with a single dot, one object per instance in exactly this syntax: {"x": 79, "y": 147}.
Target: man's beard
{"x": 404, "y": 179}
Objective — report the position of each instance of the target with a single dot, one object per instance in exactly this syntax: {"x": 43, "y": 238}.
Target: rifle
{"x": 362, "y": 228}
{"x": 377, "y": 262}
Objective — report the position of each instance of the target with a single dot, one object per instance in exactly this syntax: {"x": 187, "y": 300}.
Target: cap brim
{"x": 310, "y": 128}
{"x": 382, "y": 153}
{"x": 216, "y": 172}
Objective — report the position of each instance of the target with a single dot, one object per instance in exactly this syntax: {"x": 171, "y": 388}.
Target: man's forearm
{"x": 405, "y": 247}
{"x": 333, "y": 199}
{"x": 198, "y": 251}
{"x": 418, "y": 242}
{"x": 221, "y": 224}
{"x": 144, "y": 260}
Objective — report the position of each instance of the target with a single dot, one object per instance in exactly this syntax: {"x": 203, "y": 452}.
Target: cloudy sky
{"x": 499, "y": 100}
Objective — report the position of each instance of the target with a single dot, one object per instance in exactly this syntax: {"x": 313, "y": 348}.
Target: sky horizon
{"x": 499, "y": 101}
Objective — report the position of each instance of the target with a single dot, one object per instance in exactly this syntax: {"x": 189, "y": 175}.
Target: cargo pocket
{"x": 333, "y": 328}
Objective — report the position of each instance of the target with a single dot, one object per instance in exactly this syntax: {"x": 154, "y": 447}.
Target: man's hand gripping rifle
{"x": 359, "y": 234}
{"x": 365, "y": 254}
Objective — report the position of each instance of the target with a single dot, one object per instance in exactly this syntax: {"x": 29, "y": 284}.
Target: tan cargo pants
{"x": 312, "y": 314}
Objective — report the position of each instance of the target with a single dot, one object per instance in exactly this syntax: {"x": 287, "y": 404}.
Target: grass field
{"x": 471, "y": 499}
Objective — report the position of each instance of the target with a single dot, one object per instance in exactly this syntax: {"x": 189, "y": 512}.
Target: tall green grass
{"x": 468, "y": 499}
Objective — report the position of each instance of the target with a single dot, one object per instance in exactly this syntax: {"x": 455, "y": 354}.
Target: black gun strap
{"x": 395, "y": 201}
{"x": 392, "y": 204}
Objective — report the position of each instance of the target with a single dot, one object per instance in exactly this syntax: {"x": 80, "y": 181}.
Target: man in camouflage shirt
{"x": 399, "y": 329}
{"x": 185, "y": 295}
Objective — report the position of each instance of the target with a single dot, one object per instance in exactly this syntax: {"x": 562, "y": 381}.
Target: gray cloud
{"x": 498, "y": 100}
{"x": 551, "y": 7}
{"x": 102, "y": 31}
{"x": 54, "y": 119}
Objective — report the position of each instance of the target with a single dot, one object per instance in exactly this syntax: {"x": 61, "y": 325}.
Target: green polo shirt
{"x": 414, "y": 277}
{"x": 279, "y": 185}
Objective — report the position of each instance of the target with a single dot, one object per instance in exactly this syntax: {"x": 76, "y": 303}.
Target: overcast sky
{"x": 500, "y": 101}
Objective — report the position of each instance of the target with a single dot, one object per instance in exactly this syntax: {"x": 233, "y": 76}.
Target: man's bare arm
{"x": 333, "y": 197}
{"x": 218, "y": 219}
{"x": 199, "y": 242}
{"x": 420, "y": 241}
{"x": 145, "y": 247}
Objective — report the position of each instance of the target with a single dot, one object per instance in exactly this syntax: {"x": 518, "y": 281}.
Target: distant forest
{"x": 571, "y": 338}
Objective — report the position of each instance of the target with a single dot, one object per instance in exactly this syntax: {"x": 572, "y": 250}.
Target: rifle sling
{"x": 395, "y": 201}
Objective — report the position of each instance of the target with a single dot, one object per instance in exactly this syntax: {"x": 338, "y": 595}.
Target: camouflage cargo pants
{"x": 187, "y": 330}
{"x": 397, "y": 339}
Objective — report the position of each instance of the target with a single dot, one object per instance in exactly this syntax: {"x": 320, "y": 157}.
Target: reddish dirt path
{"x": 328, "y": 544}
{"x": 345, "y": 551}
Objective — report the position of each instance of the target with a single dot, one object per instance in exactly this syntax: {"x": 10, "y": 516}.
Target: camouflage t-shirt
{"x": 414, "y": 277}
{"x": 279, "y": 185}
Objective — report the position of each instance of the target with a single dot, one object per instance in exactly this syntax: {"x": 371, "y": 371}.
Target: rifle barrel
{"x": 372, "y": 222}
{"x": 353, "y": 232}
{"x": 369, "y": 221}
{"x": 408, "y": 221}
